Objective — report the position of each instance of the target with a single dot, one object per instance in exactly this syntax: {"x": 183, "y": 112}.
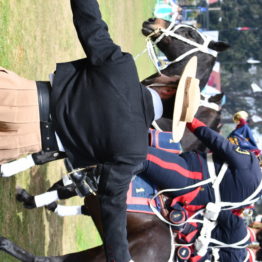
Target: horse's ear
{"x": 218, "y": 46}
{"x": 216, "y": 98}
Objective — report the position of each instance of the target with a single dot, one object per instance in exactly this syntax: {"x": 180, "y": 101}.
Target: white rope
{"x": 238, "y": 245}
{"x": 173, "y": 246}
{"x": 152, "y": 55}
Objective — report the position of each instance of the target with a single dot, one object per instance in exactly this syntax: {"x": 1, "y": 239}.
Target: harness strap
{"x": 202, "y": 242}
{"x": 216, "y": 179}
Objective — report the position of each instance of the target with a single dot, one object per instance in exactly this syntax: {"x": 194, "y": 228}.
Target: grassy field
{"x": 34, "y": 35}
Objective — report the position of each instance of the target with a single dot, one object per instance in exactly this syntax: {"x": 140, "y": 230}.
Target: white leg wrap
{"x": 68, "y": 210}
{"x": 19, "y": 165}
{"x": 46, "y": 198}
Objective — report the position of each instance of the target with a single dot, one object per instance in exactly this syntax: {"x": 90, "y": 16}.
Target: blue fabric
{"x": 243, "y": 137}
{"x": 164, "y": 140}
{"x": 140, "y": 189}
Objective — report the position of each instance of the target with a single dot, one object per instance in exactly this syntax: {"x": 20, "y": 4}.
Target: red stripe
{"x": 186, "y": 198}
{"x": 140, "y": 211}
{"x": 175, "y": 167}
{"x": 195, "y": 259}
{"x": 190, "y": 236}
{"x": 187, "y": 237}
{"x": 139, "y": 201}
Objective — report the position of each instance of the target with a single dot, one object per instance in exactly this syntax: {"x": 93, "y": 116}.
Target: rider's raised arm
{"x": 93, "y": 32}
{"x": 219, "y": 145}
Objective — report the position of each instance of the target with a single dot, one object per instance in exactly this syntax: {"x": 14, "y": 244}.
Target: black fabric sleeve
{"x": 93, "y": 32}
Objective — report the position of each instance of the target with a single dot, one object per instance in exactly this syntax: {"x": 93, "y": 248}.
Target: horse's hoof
{"x": 23, "y": 196}
{"x": 52, "y": 207}
{"x": 3, "y": 242}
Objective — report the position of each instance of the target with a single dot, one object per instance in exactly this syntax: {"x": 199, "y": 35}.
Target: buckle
{"x": 85, "y": 180}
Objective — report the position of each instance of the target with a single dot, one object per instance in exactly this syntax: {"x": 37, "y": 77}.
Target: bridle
{"x": 171, "y": 31}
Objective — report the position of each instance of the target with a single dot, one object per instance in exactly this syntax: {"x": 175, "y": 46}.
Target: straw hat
{"x": 187, "y": 99}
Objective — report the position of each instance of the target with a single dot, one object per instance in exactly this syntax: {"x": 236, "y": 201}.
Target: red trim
{"x": 187, "y": 237}
{"x": 186, "y": 198}
{"x": 175, "y": 167}
{"x": 195, "y": 259}
{"x": 140, "y": 211}
{"x": 194, "y": 125}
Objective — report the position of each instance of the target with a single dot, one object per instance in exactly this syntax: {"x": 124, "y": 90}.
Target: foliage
{"x": 246, "y": 44}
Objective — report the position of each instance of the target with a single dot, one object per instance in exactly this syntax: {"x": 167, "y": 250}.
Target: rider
{"x": 242, "y": 177}
{"x": 242, "y": 134}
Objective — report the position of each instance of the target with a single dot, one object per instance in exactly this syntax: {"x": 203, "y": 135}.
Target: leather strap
{"x": 47, "y": 131}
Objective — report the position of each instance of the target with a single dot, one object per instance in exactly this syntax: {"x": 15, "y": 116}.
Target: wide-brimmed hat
{"x": 187, "y": 99}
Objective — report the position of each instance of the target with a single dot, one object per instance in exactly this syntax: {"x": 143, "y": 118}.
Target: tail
{"x": 4, "y": 127}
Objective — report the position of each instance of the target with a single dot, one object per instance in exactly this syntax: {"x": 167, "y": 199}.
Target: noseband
{"x": 171, "y": 31}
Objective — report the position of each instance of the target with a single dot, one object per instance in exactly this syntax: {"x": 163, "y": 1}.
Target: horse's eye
{"x": 151, "y": 20}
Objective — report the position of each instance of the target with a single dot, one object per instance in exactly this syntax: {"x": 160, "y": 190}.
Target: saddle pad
{"x": 139, "y": 194}
{"x": 164, "y": 141}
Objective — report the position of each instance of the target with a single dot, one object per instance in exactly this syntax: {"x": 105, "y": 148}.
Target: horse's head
{"x": 179, "y": 43}
{"x": 174, "y": 40}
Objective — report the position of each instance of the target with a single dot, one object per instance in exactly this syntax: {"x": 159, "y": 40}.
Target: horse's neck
{"x": 204, "y": 68}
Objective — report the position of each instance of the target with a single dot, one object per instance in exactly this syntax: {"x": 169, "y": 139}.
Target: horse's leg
{"x": 57, "y": 192}
{"x": 12, "y": 168}
{"x": 63, "y": 211}
{"x": 24, "y": 163}
{"x": 91, "y": 255}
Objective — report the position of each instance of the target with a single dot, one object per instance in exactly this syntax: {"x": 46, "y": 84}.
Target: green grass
{"x": 34, "y": 35}
{"x": 4, "y": 23}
